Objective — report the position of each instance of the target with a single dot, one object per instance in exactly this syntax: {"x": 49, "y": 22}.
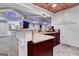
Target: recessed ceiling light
{"x": 54, "y": 5}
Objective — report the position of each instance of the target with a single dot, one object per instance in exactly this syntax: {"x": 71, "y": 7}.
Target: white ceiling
{"x": 16, "y": 6}
{"x": 26, "y": 8}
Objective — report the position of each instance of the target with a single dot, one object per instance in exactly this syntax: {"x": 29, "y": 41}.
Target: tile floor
{"x": 65, "y": 50}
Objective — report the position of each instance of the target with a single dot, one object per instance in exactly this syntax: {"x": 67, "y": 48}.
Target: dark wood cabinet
{"x": 30, "y": 48}
{"x": 44, "y": 48}
{"x": 56, "y": 40}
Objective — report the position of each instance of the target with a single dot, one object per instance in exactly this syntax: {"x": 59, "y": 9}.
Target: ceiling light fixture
{"x": 54, "y": 5}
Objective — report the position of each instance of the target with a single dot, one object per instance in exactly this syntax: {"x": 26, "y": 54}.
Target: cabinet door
{"x": 30, "y": 48}
{"x": 56, "y": 40}
{"x": 43, "y": 48}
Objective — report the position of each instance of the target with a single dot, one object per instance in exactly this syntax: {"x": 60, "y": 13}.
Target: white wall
{"x": 69, "y": 32}
{"x": 4, "y": 28}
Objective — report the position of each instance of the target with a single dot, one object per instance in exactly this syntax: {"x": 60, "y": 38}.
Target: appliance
{"x": 25, "y": 24}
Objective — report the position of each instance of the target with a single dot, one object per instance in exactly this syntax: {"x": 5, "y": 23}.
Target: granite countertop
{"x": 42, "y": 32}
{"x": 37, "y": 36}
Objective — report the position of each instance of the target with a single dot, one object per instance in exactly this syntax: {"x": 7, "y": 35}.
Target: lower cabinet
{"x": 44, "y": 48}
{"x": 56, "y": 40}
